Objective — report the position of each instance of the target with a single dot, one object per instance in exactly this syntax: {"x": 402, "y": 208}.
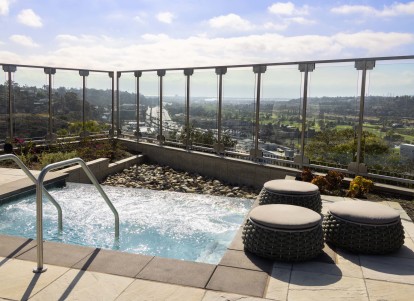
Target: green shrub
{"x": 48, "y": 158}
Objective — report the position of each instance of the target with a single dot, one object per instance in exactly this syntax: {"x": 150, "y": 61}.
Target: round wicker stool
{"x": 363, "y": 227}
{"x": 291, "y": 192}
{"x": 283, "y": 232}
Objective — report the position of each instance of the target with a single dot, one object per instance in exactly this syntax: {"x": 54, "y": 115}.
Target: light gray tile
{"x": 390, "y": 291}
{"x": 316, "y": 286}
{"x": 84, "y": 285}
{"x": 388, "y": 268}
{"x": 221, "y": 296}
{"x": 18, "y": 282}
{"x": 155, "y": 291}
{"x": 278, "y": 286}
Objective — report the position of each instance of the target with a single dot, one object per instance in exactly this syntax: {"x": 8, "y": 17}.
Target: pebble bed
{"x": 165, "y": 178}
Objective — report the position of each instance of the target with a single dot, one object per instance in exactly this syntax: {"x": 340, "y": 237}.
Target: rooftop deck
{"x": 83, "y": 273}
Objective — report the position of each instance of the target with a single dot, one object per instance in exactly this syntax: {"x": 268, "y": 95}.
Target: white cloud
{"x": 230, "y": 21}
{"x": 301, "y": 20}
{"x": 23, "y": 40}
{"x": 276, "y": 27}
{"x": 4, "y": 7}
{"x": 288, "y": 9}
{"x": 396, "y": 9}
{"x": 65, "y": 40}
{"x": 154, "y": 37}
{"x": 165, "y": 17}
{"x": 28, "y": 17}
{"x": 374, "y": 42}
{"x": 162, "y": 51}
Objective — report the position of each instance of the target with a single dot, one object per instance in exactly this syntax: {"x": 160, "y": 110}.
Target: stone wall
{"x": 234, "y": 171}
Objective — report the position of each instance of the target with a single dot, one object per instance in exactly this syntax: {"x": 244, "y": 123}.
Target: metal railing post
{"x": 50, "y": 72}
{"x": 10, "y": 69}
{"x": 219, "y": 146}
{"x": 255, "y": 153}
{"x": 118, "y": 106}
{"x": 363, "y": 65}
{"x": 84, "y": 74}
{"x": 306, "y": 68}
{"x": 187, "y": 73}
{"x": 137, "y": 74}
{"x": 112, "y": 130}
{"x": 160, "y": 137}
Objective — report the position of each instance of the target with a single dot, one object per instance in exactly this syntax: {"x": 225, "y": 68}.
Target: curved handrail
{"x": 39, "y": 209}
{"x": 32, "y": 177}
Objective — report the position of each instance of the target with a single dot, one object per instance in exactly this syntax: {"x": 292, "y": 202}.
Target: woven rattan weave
{"x": 363, "y": 238}
{"x": 283, "y": 245}
{"x": 311, "y": 201}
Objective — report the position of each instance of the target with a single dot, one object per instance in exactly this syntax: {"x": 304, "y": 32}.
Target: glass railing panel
{"x": 387, "y": 145}
{"x": 280, "y": 106}
{"x": 98, "y": 104}
{"x": 149, "y": 104}
{"x": 203, "y": 108}
{"x": 332, "y": 115}
{"x": 238, "y": 111}
{"x": 4, "y": 105}
{"x": 67, "y": 103}
{"x": 174, "y": 105}
{"x": 30, "y": 103}
{"x": 128, "y": 103}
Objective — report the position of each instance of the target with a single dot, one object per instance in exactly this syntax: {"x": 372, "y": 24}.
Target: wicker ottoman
{"x": 363, "y": 227}
{"x": 291, "y": 192}
{"x": 283, "y": 232}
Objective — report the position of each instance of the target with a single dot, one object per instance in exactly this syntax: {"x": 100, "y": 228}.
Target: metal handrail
{"x": 32, "y": 177}
{"x": 39, "y": 213}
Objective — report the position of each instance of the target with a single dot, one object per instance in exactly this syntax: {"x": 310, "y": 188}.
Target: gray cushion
{"x": 364, "y": 212}
{"x": 281, "y": 216}
{"x": 290, "y": 187}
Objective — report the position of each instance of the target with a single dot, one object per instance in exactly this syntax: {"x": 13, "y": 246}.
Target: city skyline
{"x": 125, "y": 35}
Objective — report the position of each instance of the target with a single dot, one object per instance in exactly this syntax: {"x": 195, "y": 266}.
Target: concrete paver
{"x": 18, "y": 282}
{"x": 317, "y": 286}
{"x": 84, "y": 285}
{"x": 278, "y": 286}
{"x": 239, "y": 281}
{"x": 176, "y": 271}
{"x": 390, "y": 291}
{"x": 154, "y": 291}
{"x": 386, "y": 268}
{"x": 220, "y": 296}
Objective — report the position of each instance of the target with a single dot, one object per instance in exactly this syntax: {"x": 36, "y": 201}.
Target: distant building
{"x": 407, "y": 151}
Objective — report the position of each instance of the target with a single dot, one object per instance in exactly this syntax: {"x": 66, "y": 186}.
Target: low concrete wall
{"x": 101, "y": 168}
{"x": 234, "y": 171}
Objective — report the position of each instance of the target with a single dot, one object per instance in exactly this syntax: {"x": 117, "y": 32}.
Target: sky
{"x": 147, "y": 34}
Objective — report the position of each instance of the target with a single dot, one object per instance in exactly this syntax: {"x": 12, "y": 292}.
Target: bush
{"x": 307, "y": 175}
{"x": 334, "y": 180}
{"x": 359, "y": 187}
{"x": 321, "y": 182}
{"x": 48, "y": 158}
